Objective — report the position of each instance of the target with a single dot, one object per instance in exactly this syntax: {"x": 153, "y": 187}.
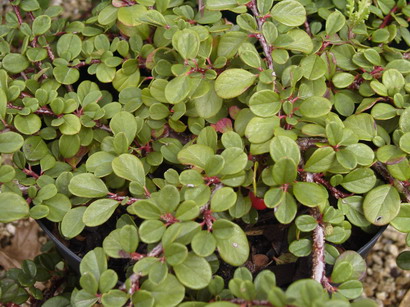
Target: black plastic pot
{"x": 69, "y": 256}
{"x": 74, "y": 261}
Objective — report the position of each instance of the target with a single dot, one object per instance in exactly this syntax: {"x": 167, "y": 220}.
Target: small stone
{"x": 377, "y": 259}
{"x": 394, "y": 250}
{"x": 381, "y": 296}
{"x": 11, "y": 229}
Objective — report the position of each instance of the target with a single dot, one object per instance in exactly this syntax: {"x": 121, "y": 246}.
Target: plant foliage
{"x": 167, "y": 120}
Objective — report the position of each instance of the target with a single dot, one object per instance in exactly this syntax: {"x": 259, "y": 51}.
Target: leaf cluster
{"x": 157, "y": 118}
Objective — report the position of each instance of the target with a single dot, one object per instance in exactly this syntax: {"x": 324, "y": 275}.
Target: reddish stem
{"x": 262, "y": 40}
{"x": 42, "y": 110}
{"x": 31, "y": 173}
{"x": 387, "y": 18}
{"x": 335, "y": 192}
{"x": 117, "y": 197}
{"x": 18, "y": 14}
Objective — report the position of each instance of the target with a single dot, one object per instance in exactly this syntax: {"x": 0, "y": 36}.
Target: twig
{"x": 156, "y": 251}
{"x": 265, "y": 46}
{"x": 243, "y": 302}
{"x": 306, "y": 143}
{"x": 401, "y": 186}
{"x": 318, "y": 246}
{"x": 387, "y": 18}
{"x": 335, "y": 192}
{"x": 43, "y": 110}
{"x": 130, "y": 200}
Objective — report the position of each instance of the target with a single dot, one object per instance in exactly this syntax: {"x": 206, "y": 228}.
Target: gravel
{"x": 385, "y": 282}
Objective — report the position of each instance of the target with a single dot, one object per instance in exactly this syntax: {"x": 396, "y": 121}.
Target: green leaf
{"x": 29, "y": 124}
{"x": 10, "y": 142}
{"x": 306, "y": 223}
{"x": 342, "y": 272}
{"x": 315, "y": 106}
{"x": 114, "y": 298}
{"x": 58, "y": 206}
{"x": 194, "y": 272}
{"x": 69, "y": 47}
{"x": 232, "y": 247}
{"x": 7, "y": 173}
{"x": 260, "y": 130}
{"x": 3, "y": 103}
{"x": 124, "y": 122}
{"x": 284, "y": 147}
{"x": 89, "y": 283}
{"x": 72, "y": 223}
{"x": 301, "y": 248}
{"x": 69, "y": 145}
{"x": 289, "y": 12}
{"x": 220, "y": 5}
{"x": 335, "y": 22}
{"x": 403, "y": 260}
{"x": 203, "y": 244}
{"x": 230, "y": 43}
{"x": 295, "y": 40}
{"x": 107, "y": 281}
{"x": 310, "y": 194}
{"x": 402, "y": 221}
{"x": 87, "y": 185}
{"x": 284, "y": 171}
{"x": 41, "y": 24}
{"x": 321, "y": 160}
{"x": 71, "y": 124}
{"x": 186, "y": 42}
{"x": 176, "y": 253}
{"x": 34, "y": 148}
{"x": 151, "y": 231}
{"x": 84, "y": 299}
{"x": 120, "y": 240}
{"x": 359, "y": 181}
{"x": 265, "y": 103}
{"x": 233, "y": 82}
{"x": 15, "y": 63}
{"x": 65, "y": 75}
{"x": 362, "y": 125}
{"x": 223, "y": 199}
{"x": 12, "y": 207}
{"x": 145, "y": 209}
{"x": 237, "y": 160}
{"x": 108, "y": 15}
{"x": 196, "y": 155}
{"x": 208, "y": 105}
{"x": 381, "y": 204}
{"x": 129, "y": 167}
{"x": 313, "y": 67}
{"x": 100, "y": 163}
{"x": 178, "y": 89}
{"x": 168, "y": 293}
{"x": 351, "y": 289}
{"x": 94, "y": 262}
{"x": 99, "y": 211}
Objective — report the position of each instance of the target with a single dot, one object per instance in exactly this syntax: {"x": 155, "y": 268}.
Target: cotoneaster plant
{"x": 186, "y": 150}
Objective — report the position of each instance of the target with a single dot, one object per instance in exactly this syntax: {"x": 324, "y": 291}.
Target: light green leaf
{"x": 283, "y": 146}
{"x": 129, "y": 167}
{"x": 310, "y": 194}
{"x": 87, "y": 185}
{"x": 194, "y": 272}
{"x": 12, "y": 207}
{"x": 289, "y": 12}
{"x": 99, "y": 211}
{"x": 72, "y": 223}
{"x": 10, "y": 142}
{"x": 186, "y": 42}
{"x": 315, "y": 106}
{"x": 381, "y": 204}
{"x": 196, "y": 155}
{"x": 233, "y": 82}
